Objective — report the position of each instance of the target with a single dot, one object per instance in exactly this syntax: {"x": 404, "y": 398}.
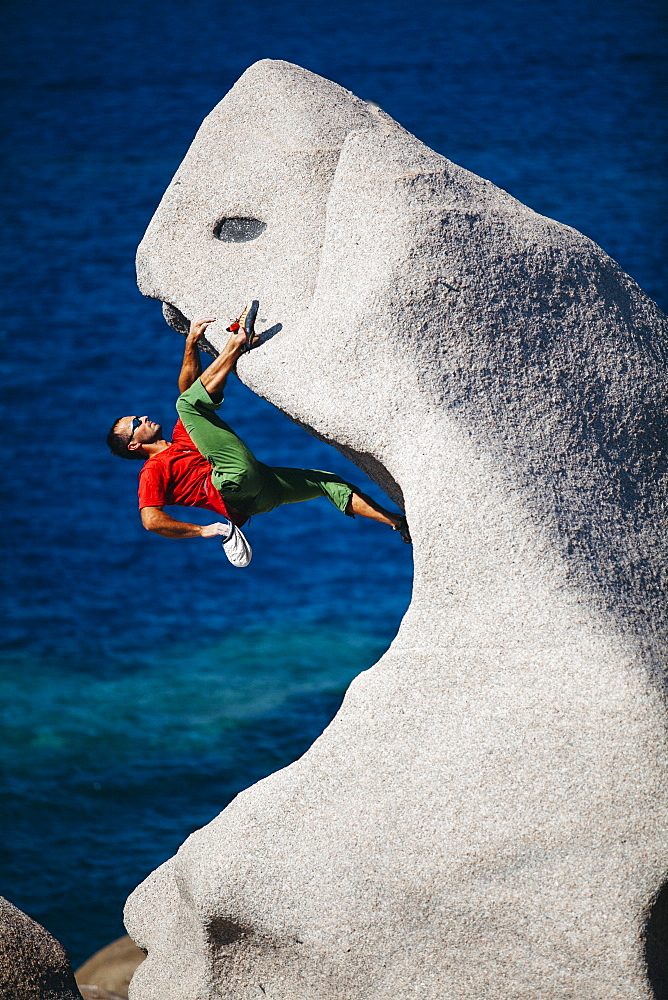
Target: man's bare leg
{"x": 363, "y": 506}
{"x": 214, "y": 378}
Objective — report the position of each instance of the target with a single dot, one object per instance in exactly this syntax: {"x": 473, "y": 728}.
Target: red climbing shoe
{"x": 246, "y": 322}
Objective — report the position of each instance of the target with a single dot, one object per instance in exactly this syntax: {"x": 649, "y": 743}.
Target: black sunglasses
{"x": 136, "y": 422}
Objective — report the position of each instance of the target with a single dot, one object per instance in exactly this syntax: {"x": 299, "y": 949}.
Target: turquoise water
{"x": 145, "y": 682}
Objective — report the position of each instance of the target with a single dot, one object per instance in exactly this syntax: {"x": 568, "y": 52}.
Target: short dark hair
{"x": 119, "y": 446}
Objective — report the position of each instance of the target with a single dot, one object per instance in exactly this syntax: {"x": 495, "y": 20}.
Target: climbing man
{"x": 207, "y": 465}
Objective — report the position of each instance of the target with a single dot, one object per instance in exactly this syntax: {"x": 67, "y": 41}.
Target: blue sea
{"x": 145, "y": 682}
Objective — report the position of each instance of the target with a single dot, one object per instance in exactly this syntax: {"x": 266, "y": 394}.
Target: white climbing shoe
{"x": 237, "y": 548}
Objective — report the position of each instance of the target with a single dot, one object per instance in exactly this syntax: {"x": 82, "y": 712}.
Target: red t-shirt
{"x": 181, "y": 475}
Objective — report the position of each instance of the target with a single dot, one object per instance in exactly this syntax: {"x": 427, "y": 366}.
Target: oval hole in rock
{"x": 237, "y": 230}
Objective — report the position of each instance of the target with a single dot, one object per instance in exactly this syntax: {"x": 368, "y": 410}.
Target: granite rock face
{"x": 487, "y": 815}
{"x": 33, "y": 965}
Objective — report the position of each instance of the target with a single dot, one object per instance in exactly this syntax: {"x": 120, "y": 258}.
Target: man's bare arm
{"x": 191, "y": 366}
{"x": 154, "y": 519}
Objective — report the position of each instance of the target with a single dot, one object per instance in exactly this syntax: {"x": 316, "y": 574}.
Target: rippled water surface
{"x": 145, "y": 682}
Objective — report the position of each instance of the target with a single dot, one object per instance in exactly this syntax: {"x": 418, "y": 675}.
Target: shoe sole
{"x": 239, "y": 544}
{"x": 402, "y": 528}
{"x": 247, "y": 321}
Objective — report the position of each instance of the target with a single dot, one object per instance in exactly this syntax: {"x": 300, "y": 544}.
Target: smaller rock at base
{"x": 97, "y": 993}
{"x": 110, "y": 970}
{"x": 33, "y": 965}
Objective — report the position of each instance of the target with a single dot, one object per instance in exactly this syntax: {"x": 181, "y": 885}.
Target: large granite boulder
{"x": 33, "y": 965}
{"x": 487, "y": 815}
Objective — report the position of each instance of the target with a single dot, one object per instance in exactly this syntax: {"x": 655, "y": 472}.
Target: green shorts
{"x": 245, "y": 484}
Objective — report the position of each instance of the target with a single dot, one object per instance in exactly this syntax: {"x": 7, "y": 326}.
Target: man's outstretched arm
{"x": 154, "y": 519}
{"x": 191, "y": 366}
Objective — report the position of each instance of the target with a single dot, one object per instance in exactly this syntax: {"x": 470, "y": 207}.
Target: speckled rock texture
{"x": 33, "y": 965}
{"x": 487, "y": 815}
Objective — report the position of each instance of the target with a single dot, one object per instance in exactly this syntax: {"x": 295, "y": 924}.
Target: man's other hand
{"x": 211, "y": 530}
{"x": 198, "y": 327}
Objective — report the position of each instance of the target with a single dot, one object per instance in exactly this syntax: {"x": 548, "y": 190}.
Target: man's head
{"x": 128, "y": 435}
